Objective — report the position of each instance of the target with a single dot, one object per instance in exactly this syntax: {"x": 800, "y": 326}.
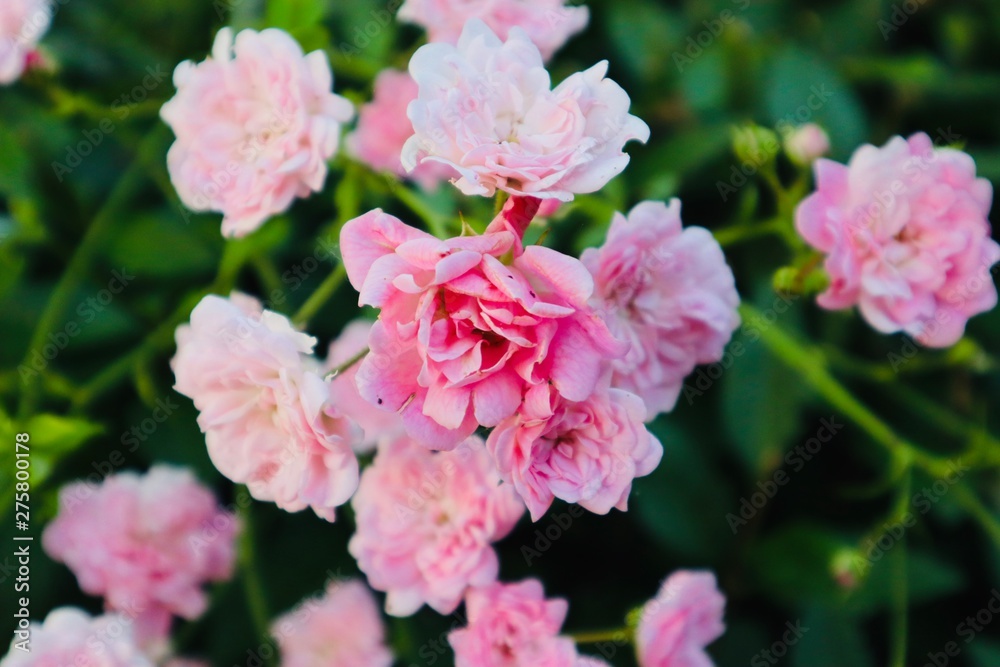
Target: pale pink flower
{"x": 426, "y": 522}
{"x": 806, "y": 144}
{"x": 264, "y": 407}
{"x": 22, "y": 25}
{"x": 69, "y": 637}
{"x": 378, "y": 425}
{"x": 341, "y": 628}
{"x": 907, "y": 238}
{"x": 669, "y": 292}
{"x": 514, "y": 625}
{"x": 383, "y": 128}
{"x": 676, "y": 626}
{"x": 255, "y": 124}
{"x": 461, "y": 333}
{"x": 146, "y": 543}
{"x": 486, "y": 108}
{"x": 586, "y": 452}
{"x": 547, "y": 23}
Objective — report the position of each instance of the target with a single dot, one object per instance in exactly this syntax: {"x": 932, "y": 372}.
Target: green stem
{"x": 80, "y": 263}
{"x": 414, "y": 202}
{"x": 347, "y": 364}
{"x": 253, "y": 585}
{"x": 811, "y": 364}
{"x": 967, "y": 499}
{"x": 617, "y": 635}
{"x": 317, "y": 299}
{"x": 730, "y": 236}
{"x": 899, "y": 582}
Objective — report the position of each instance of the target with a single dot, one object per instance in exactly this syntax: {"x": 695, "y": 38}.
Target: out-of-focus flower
{"x": 548, "y": 23}
{"x": 255, "y": 124}
{"x": 585, "y": 452}
{"x": 426, "y": 522}
{"x": 342, "y": 628}
{"x": 669, "y": 292}
{"x": 806, "y": 144}
{"x": 461, "y": 334}
{"x": 514, "y": 625}
{"x": 906, "y": 237}
{"x": 383, "y": 128}
{"x": 147, "y": 544}
{"x": 70, "y": 637}
{"x": 486, "y": 109}
{"x": 676, "y": 626}
{"x": 22, "y": 25}
{"x": 378, "y": 425}
{"x": 264, "y": 408}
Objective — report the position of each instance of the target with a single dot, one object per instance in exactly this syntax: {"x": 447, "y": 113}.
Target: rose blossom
{"x": 144, "y": 542}
{"x": 676, "y": 626}
{"x": 22, "y": 24}
{"x": 906, "y": 238}
{"x": 426, "y": 521}
{"x": 548, "y": 23}
{"x": 265, "y": 410}
{"x": 255, "y": 124}
{"x": 585, "y": 452}
{"x": 461, "y": 333}
{"x": 486, "y": 108}
{"x": 70, "y": 637}
{"x": 341, "y": 628}
{"x": 383, "y": 128}
{"x": 669, "y": 292}
{"x": 514, "y": 625}
{"x": 378, "y": 425}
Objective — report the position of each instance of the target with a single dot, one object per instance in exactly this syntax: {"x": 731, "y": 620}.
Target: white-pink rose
{"x": 669, "y": 292}
{"x": 255, "y": 124}
{"x": 22, "y": 24}
{"x": 341, "y": 628}
{"x": 69, "y": 637}
{"x": 426, "y": 523}
{"x": 264, "y": 407}
{"x": 548, "y": 23}
{"x": 486, "y": 109}
{"x": 676, "y": 626}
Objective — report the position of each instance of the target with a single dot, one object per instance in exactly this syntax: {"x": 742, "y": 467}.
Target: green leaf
{"x": 294, "y": 14}
{"x": 928, "y": 578}
{"x": 159, "y": 246}
{"x": 682, "y": 504}
{"x": 833, "y": 639}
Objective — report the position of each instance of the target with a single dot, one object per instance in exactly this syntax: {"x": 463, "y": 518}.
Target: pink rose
{"x": 264, "y": 408}
{"x": 907, "y": 239}
{"x": 806, "y": 144}
{"x": 462, "y": 333}
{"x": 146, "y": 543}
{"x": 676, "y": 626}
{"x": 378, "y": 425}
{"x": 486, "y": 109}
{"x": 514, "y": 625}
{"x": 255, "y": 124}
{"x": 547, "y": 23}
{"x": 426, "y": 522}
{"x": 22, "y": 25}
{"x": 342, "y": 627}
{"x": 70, "y": 637}
{"x": 383, "y": 128}
{"x": 669, "y": 292}
{"x": 586, "y": 452}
